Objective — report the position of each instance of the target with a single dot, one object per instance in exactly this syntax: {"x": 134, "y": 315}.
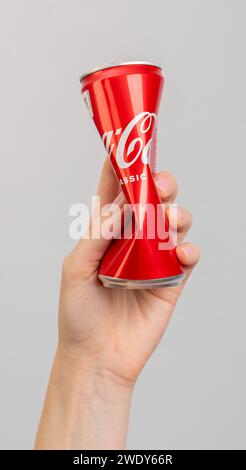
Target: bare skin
{"x": 105, "y": 338}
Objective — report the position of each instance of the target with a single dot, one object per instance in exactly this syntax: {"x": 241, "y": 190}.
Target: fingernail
{"x": 186, "y": 249}
{"x": 162, "y": 182}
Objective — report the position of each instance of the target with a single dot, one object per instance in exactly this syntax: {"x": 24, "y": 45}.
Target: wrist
{"x": 86, "y": 376}
{"x": 85, "y": 406}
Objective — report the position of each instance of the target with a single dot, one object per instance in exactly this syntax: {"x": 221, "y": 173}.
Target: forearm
{"x": 85, "y": 408}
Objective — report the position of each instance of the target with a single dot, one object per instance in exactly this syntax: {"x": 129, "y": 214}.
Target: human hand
{"x": 114, "y": 331}
{"x": 105, "y": 338}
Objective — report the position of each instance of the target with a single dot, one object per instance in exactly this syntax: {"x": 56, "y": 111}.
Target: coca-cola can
{"x": 123, "y": 100}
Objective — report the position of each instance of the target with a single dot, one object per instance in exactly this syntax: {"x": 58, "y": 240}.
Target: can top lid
{"x": 116, "y": 64}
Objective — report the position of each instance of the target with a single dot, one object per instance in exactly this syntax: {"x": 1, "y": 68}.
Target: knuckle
{"x": 74, "y": 270}
{"x": 168, "y": 182}
{"x": 185, "y": 217}
{"x": 67, "y": 266}
{"x": 70, "y": 269}
{"x": 188, "y": 217}
{"x": 172, "y": 180}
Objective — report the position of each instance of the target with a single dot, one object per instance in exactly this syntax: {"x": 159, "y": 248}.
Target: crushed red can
{"x": 123, "y": 100}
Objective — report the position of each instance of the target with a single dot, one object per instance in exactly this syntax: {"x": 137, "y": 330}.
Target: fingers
{"x": 184, "y": 220}
{"x": 92, "y": 250}
{"x": 108, "y": 185}
{"x": 188, "y": 254}
{"x": 180, "y": 221}
{"x": 167, "y": 188}
{"x": 89, "y": 251}
{"x": 85, "y": 256}
{"x": 166, "y": 185}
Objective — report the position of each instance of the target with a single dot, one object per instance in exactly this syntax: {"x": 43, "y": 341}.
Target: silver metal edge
{"x": 141, "y": 281}
{"x": 112, "y": 282}
{"x": 117, "y": 64}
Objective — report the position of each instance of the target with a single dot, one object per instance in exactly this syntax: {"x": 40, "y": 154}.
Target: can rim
{"x": 117, "y": 64}
{"x": 117, "y": 283}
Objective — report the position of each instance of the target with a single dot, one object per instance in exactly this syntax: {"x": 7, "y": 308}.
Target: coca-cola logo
{"x": 128, "y": 151}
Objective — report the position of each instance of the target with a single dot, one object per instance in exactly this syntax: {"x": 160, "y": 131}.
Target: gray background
{"x": 192, "y": 392}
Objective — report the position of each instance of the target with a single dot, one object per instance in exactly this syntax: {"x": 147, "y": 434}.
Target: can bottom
{"x": 117, "y": 283}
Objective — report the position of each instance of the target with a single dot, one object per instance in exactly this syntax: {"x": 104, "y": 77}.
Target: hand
{"x": 115, "y": 331}
{"x": 105, "y": 338}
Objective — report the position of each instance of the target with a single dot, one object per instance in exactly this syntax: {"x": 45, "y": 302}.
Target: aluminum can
{"x": 123, "y": 100}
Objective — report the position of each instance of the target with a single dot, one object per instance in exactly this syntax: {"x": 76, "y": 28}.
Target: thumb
{"x": 86, "y": 255}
